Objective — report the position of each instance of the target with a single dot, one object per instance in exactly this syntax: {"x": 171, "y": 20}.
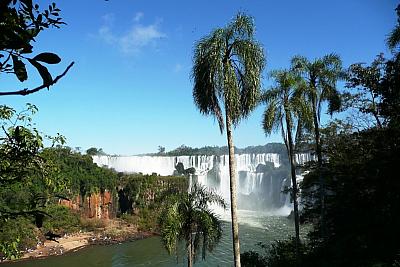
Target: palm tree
{"x": 321, "y": 76}
{"x": 286, "y": 110}
{"x": 227, "y": 74}
{"x": 187, "y": 216}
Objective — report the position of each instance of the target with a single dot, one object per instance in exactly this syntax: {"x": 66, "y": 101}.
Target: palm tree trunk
{"x": 294, "y": 183}
{"x": 317, "y": 137}
{"x": 232, "y": 175}
{"x": 189, "y": 250}
{"x": 319, "y": 157}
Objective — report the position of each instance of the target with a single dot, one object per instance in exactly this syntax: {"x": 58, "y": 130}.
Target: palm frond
{"x": 299, "y": 64}
{"x": 232, "y": 94}
{"x": 269, "y": 122}
{"x": 227, "y": 66}
{"x": 170, "y": 224}
{"x": 203, "y": 197}
{"x": 252, "y": 62}
{"x": 207, "y": 74}
{"x": 242, "y": 26}
{"x": 334, "y": 102}
{"x": 270, "y": 95}
{"x": 393, "y": 39}
{"x": 323, "y": 74}
{"x": 208, "y": 230}
{"x": 186, "y": 217}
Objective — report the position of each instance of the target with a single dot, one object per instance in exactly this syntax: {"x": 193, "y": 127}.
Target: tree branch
{"x": 27, "y": 91}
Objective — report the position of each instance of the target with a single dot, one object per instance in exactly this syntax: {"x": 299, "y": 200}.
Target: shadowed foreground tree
{"x": 187, "y": 217}
{"x": 363, "y": 204}
{"x": 321, "y": 76}
{"x": 362, "y": 210}
{"x": 27, "y": 179}
{"x": 286, "y": 107}
{"x": 227, "y": 71}
{"x": 393, "y": 39}
{"x": 366, "y": 101}
{"x": 25, "y": 183}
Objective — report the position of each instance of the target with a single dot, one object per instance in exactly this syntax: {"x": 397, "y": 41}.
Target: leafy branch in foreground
{"x": 21, "y": 21}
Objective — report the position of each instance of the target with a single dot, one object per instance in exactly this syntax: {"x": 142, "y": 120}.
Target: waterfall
{"x": 260, "y": 177}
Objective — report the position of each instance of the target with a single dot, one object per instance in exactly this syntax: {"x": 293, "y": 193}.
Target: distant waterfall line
{"x": 260, "y": 183}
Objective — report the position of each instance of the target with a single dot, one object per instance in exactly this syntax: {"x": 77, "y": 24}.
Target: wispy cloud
{"x": 138, "y": 16}
{"x": 136, "y": 38}
{"x": 178, "y": 68}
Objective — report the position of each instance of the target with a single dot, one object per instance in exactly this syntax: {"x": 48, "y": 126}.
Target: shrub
{"x": 93, "y": 224}
{"x": 62, "y": 220}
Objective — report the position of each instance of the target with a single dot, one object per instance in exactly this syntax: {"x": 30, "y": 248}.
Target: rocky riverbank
{"x": 115, "y": 232}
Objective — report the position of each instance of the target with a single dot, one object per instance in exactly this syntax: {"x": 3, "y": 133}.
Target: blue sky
{"x": 130, "y": 88}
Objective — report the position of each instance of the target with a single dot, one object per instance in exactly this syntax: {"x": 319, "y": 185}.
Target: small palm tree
{"x": 187, "y": 217}
{"x": 227, "y": 75}
{"x": 321, "y": 76}
{"x": 286, "y": 110}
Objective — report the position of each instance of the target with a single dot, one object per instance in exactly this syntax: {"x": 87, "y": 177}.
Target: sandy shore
{"x": 63, "y": 244}
{"x": 115, "y": 232}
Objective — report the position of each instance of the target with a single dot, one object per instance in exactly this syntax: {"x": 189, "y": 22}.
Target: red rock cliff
{"x": 97, "y": 205}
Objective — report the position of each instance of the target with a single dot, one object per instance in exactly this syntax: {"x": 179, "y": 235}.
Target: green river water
{"x": 254, "y": 228}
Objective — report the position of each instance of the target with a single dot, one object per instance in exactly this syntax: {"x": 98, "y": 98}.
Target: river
{"x": 254, "y": 227}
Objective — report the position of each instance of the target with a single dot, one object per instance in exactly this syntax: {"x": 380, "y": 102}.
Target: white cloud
{"x": 106, "y": 35}
{"x": 105, "y": 30}
{"x": 138, "y": 16}
{"x": 108, "y": 18}
{"x": 140, "y": 36}
{"x": 136, "y": 38}
{"x": 177, "y": 68}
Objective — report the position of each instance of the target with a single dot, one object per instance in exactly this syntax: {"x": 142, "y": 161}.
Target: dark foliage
{"x": 363, "y": 204}
{"x": 378, "y": 90}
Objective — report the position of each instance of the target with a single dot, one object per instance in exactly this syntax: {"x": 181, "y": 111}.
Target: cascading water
{"x": 261, "y": 177}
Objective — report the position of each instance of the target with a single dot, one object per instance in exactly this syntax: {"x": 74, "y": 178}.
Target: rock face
{"x": 97, "y": 205}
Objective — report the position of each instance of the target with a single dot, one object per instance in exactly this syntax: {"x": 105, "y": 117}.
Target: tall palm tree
{"x": 286, "y": 110}
{"x": 187, "y": 217}
{"x": 227, "y": 71}
{"x": 321, "y": 76}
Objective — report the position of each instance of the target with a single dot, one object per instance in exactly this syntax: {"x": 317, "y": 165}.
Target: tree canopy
{"x": 227, "y": 68}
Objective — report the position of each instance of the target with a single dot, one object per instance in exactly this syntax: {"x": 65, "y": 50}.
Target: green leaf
{"x": 27, "y": 49}
{"x": 48, "y": 58}
{"x": 19, "y": 69}
{"x": 44, "y": 73}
